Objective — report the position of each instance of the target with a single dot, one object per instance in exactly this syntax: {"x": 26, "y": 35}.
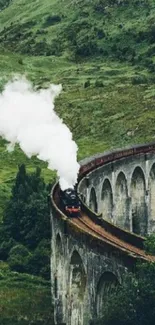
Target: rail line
{"x": 129, "y": 243}
{"x": 84, "y": 224}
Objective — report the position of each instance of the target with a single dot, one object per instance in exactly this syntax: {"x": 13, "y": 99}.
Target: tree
{"x": 4, "y": 3}
{"x": 81, "y": 38}
{"x": 6, "y": 243}
{"x": 150, "y": 244}
{"x": 26, "y": 217}
{"x": 39, "y": 263}
{"x": 19, "y": 257}
{"x": 134, "y": 303}
{"x": 25, "y": 232}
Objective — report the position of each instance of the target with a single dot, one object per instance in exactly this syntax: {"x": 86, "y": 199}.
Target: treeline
{"x": 25, "y": 231}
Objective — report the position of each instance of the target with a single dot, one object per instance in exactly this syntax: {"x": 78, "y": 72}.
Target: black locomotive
{"x": 70, "y": 202}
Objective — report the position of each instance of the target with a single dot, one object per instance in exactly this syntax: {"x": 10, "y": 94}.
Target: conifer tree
{"x": 26, "y": 217}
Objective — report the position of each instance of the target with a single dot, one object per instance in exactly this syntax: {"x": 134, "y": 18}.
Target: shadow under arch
{"x": 138, "y": 204}
{"x": 152, "y": 194}
{"x": 107, "y": 284}
{"x": 59, "y": 276}
{"x": 93, "y": 200}
{"x": 121, "y": 210}
{"x": 59, "y": 267}
{"x": 77, "y": 287}
{"x": 107, "y": 200}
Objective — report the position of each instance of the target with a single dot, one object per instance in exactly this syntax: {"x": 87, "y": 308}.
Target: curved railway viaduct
{"x": 91, "y": 254}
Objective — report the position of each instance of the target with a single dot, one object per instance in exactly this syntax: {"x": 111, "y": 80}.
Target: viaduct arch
{"x": 107, "y": 284}
{"x": 91, "y": 254}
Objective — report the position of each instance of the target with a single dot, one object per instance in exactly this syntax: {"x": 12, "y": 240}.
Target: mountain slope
{"x": 121, "y": 29}
{"x": 104, "y": 56}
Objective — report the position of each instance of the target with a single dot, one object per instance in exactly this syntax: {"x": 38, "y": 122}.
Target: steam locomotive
{"x": 70, "y": 202}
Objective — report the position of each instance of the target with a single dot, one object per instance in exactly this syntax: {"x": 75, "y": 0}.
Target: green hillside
{"x": 25, "y": 299}
{"x": 121, "y": 29}
{"x": 104, "y": 58}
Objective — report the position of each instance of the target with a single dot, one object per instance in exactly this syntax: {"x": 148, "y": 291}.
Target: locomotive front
{"x": 70, "y": 202}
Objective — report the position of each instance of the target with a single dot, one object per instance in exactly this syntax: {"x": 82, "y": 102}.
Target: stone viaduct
{"x": 91, "y": 254}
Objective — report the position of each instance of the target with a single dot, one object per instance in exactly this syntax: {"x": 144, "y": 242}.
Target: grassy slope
{"x": 23, "y": 11}
{"x": 24, "y": 299}
{"x": 115, "y": 115}
{"x": 121, "y": 22}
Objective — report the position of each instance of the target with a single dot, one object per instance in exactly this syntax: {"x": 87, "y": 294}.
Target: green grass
{"x": 122, "y": 30}
{"x": 24, "y": 299}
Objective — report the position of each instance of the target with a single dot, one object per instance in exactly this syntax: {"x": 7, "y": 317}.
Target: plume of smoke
{"x": 27, "y": 117}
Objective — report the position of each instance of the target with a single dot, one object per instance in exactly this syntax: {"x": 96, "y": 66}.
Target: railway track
{"x": 86, "y": 225}
{"x": 99, "y": 232}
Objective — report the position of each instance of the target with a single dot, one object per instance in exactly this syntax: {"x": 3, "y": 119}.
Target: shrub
{"x": 87, "y": 84}
{"x": 139, "y": 79}
{"x": 20, "y": 61}
{"x": 18, "y": 258}
{"x": 98, "y": 83}
{"x": 99, "y": 6}
{"x": 4, "y": 4}
{"x": 51, "y": 20}
{"x": 150, "y": 244}
{"x": 100, "y": 34}
{"x": 39, "y": 262}
{"x": 6, "y": 243}
{"x": 152, "y": 34}
{"x": 151, "y": 68}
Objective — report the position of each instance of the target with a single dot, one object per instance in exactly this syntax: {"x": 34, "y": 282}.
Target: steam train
{"x": 70, "y": 202}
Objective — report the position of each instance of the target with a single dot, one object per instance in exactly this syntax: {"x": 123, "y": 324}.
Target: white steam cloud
{"x": 27, "y": 117}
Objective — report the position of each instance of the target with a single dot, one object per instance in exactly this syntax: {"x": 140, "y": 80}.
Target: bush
{"x": 99, "y": 6}
{"x": 152, "y": 34}
{"x": 51, "y": 20}
{"x": 19, "y": 257}
{"x": 87, "y": 84}
{"x": 20, "y": 61}
{"x": 150, "y": 244}
{"x": 6, "y": 243}
{"x": 139, "y": 79}
{"x": 151, "y": 68}
{"x": 39, "y": 262}
{"x": 100, "y": 34}
{"x": 4, "y": 3}
{"x": 98, "y": 83}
